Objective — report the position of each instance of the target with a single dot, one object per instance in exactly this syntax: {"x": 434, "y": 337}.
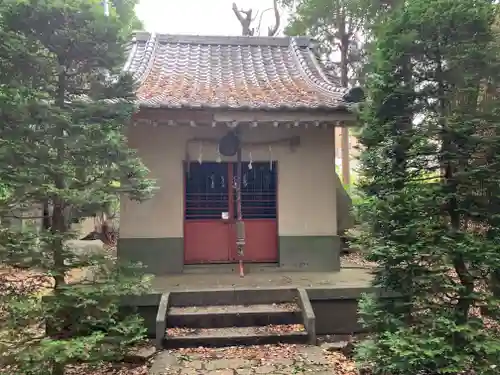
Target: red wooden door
{"x": 207, "y": 237}
{"x": 259, "y": 208}
{"x": 210, "y": 212}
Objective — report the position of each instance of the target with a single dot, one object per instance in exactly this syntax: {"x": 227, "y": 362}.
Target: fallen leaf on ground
{"x": 355, "y": 259}
{"x": 181, "y": 331}
{"x": 341, "y": 365}
{"x": 256, "y": 352}
{"x": 108, "y": 369}
{"x": 281, "y": 328}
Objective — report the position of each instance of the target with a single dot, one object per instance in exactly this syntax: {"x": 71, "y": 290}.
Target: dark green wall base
{"x": 160, "y": 255}
{"x": 163, "y": 256}
{"x": 309, "y": 253}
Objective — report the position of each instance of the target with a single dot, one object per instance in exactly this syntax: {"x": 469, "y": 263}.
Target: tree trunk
{"x": 58, "y": 224}
{"x": 46, "y": 221}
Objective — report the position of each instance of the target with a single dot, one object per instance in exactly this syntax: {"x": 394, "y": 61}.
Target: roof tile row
{"x": 230, "y": 72}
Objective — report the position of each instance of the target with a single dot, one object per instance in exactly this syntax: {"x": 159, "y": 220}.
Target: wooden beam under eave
{"x": 342, "y": 118}
{"x": 206, "y": 116}
{"x": 176, "y": 115}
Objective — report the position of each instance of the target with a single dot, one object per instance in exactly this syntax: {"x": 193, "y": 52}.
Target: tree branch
{"x": 271, "y": 31}
{"x": 245, "y": 21}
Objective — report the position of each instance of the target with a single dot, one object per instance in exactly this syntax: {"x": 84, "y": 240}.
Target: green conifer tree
{"x": 67, "y": 104}
{"x": 425, "y": 174}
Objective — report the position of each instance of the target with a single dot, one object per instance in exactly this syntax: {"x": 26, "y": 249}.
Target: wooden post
{"x": 344, "y": 145}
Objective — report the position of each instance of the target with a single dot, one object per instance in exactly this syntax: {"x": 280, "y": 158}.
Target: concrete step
{"x": 234, "y": 315}
{"x": 232, "y": 296}
{"x": 231, "y": 336}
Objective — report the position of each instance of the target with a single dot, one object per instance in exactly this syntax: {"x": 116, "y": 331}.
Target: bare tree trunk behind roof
{"x": 245, "y": 19}
{"x": 272, "y": 31}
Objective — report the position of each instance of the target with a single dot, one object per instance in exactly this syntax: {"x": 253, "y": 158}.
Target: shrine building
{"x": 200, "y": 97}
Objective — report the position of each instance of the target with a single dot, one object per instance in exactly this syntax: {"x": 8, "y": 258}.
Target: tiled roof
{"x": 176, "y": 71}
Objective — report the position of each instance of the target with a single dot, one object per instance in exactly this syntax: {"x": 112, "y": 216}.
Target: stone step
{"x": 232, "y": 336}
{"x": 234, "y": 315}
{"x": 232, "y": 296}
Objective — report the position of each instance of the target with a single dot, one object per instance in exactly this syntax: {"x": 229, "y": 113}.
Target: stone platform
{"x": 332, "y": 300}
{"x": 257, "y": 360}
{"x": 263, "y": 277}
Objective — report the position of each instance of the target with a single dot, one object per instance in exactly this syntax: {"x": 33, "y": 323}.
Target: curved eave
{"x": 313, "y": 71}
{"x": 347, "y": 108}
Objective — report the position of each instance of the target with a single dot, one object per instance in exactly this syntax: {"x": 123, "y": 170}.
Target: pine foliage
{"x": 65, "y": 105}
{"x": 431, "y": 177}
